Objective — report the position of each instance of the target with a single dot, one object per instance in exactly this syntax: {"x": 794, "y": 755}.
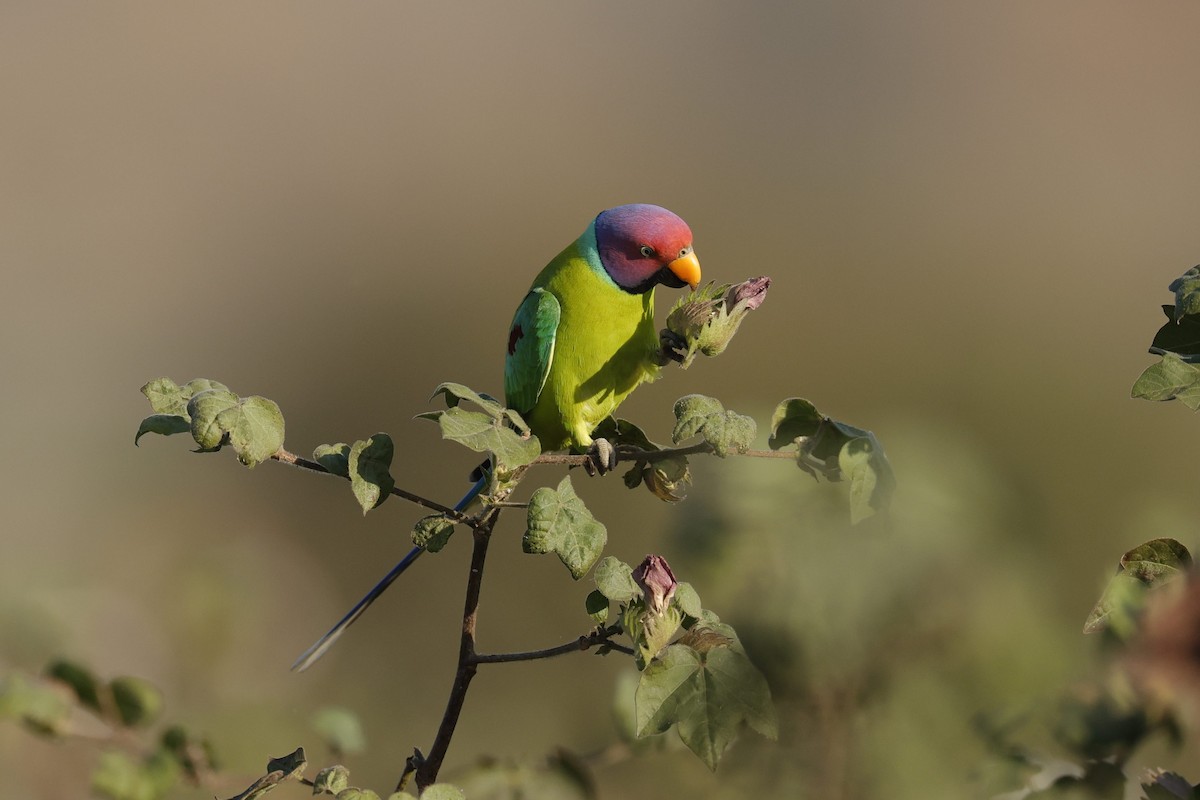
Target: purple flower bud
{"x": 747, "y": 294}
{"x": 656, "y": 581}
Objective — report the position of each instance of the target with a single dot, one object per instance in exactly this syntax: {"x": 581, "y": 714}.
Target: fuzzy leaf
{"x": 82, "y": 681}
{"x": 331, "y": 780}
{"x": 794, "y": 418}
{"x": 432, "y": 532}
{"x": 1147, "y": 566}
{"x": 166, "y": 397}
{"x": 137, "y": 701}
{"x": 443, "y": 791}
{"x": 455, "y": 393}
{"x": 204, "y": 409}
{"x": 486, "y": 434}
{"x": 560, "y": 523}
{"x": 614, "y": 579}
{"x": 163, "y": 425}
{"x": 1187, "y": 293}
{"x": 687, "y": 601}
{"x": 334, "y": 457}
{"x": 292, "y": 765}
{"x": 1170, "y": 379}
{"x": 597, "y": 606}
{"x": 41, "y": 705}
{"x": 354, "y": 793}
{"x": 706, "y": 695}
{"x": 369, "y": 464}
{"x": 724, "y": 430}
{"x": 254, "y": 427}
{"x": 863, "y": 463}
{"x": 120, "y": 777}
{"x": 1180, "y": 336}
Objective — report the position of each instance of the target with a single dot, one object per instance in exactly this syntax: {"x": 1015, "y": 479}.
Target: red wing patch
{"x": 513, "y": 337}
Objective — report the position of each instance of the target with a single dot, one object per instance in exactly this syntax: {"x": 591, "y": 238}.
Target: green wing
{"x": 530, "y": 349}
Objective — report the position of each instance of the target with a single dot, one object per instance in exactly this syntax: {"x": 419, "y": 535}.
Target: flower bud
{"x": 654, "y": 577}
{"x": 707, "y": 320}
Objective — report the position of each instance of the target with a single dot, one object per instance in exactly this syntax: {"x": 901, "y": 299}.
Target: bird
{"x": 582, "y": 339}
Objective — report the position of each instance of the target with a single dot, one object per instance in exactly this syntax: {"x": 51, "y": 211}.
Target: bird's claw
{"x": 602, "y": 458}
{"x": 672, "y": 347}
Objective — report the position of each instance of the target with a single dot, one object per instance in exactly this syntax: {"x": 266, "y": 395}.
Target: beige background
{"x": 971, "y": 212}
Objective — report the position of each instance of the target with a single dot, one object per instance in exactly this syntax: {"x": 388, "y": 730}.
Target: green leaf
{"x": 1158, "y": 560}
{"x": 166, "y": 397}
{"x": 42, "y": 706}
{"x": 280, "y": 769}
{"x": 1180, "y": 336}
{"x": 862, "y": 462}
{"x": 255, "y": 429}
{"x": 597, "y": 605}
{"x": 81, "y": 680}
{"x": 119, "y": 777}
{"x": 1187, "y": 293}
{"x": 443, "y": 791}
{"x": 340, "y": 730}
{"x": 138, "y": 702}
{"x": 162, "y": 424}
{"x": 369, "y": 462}
{"x": 623, "y": 432}
{"x": 203, "y": 409}
{"x": 1150, "y": 565}
{"x": 794, "y": 418}
{"x": 354, "y": 793}
{"x": 614, "y": 579}
{"x": 486, "y": 434}
{"x": 1170, "y": 379}
{"x": 686, "y": 600}
{"x": 724, "y": 430}
{"x": 331, "y": 780}
{"x": 334, "y": 457}
{"x": 432, "y": 532}
{"x": 292, "y": 765}
{"x": 455, "y": 393}
{"x": 194, "y": 754}
{"x": 197, "y": 385}
{"x": 560, "y": 523}
{"x": 707, "y": 696}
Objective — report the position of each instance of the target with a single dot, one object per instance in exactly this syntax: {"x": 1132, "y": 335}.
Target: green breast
{"x": 604, "y": 348}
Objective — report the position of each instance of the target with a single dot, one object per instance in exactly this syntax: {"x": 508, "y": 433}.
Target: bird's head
{"x": 642, "y": 245}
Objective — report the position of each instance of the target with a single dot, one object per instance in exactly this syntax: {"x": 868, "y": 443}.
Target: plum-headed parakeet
{"x": 582, "y": 339}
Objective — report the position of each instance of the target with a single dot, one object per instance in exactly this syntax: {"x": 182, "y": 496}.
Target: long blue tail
{"x": 309, "y": 657}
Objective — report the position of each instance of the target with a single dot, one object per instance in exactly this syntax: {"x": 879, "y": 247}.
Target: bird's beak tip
{"x": 687, "y": 269}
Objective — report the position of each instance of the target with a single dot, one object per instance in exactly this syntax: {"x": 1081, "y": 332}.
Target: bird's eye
{"x": 684, "y": 251}
{"x": 647, "y": 251}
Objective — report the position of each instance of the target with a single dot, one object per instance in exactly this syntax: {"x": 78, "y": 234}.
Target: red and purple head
{"x": 642, "y": 245}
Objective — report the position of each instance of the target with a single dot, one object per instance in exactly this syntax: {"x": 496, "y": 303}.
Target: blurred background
{"x": 970, "y": 211}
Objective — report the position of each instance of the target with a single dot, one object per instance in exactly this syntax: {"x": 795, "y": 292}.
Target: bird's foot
{"x": 671, "y": 347}
{"x": 602, "y": 457}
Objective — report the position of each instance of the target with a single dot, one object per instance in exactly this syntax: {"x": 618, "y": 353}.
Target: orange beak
{"x": 687, "y": 269}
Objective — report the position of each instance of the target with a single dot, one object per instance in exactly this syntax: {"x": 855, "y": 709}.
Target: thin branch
{"x": 286, "y": 457}
{"x": 427, "y": 772}
{"x": 600, "y": 636}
